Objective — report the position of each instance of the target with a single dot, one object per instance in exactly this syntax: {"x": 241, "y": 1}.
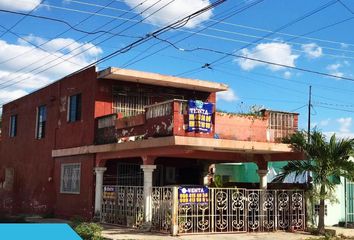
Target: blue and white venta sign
{"x": 199, "y": 116}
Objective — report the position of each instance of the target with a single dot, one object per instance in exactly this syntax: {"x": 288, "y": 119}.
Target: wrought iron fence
{"x": 123, "y": 205}
{"x": 241, "y": 210}
{"x": 162, "y": 203}
{"x": 349, "y": 211}
{"x": 227, "y": 210}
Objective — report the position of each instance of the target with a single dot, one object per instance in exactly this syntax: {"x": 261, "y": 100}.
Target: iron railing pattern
{"x": 123, "y": 205}
{"x": 228, "y": 210}
{"x": 162, "y": 201}
{"x": 241, "y": 210}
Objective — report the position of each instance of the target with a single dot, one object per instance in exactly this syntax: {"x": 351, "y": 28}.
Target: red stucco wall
{"x": 35, "y": 172}
{"x": 240, "y": 127}
{"x": 69, "y": 205}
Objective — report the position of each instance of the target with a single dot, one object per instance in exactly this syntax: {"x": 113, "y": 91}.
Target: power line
{"x": 80, "y": 45}
{"x": 304, "y": 34}
{"x": 274, "y": 64}
{"x": 337, "y": 109}
{"x": 309, "y": 14}
{"x": 330, "y": 3}
{"x": 278, "y": 41}
{"x": 293, "y": 35}
{"x": 21, "y": 19}
{"x": 335, "y": 104}
{"x": 249, "y": 5}
{"x": 296, "y": 109}
{"x": 177, "y": 24}
{"x": 346, "y": 7}
{"x": 274, "y": 40}
{"x": 56, "y": 36}
{"x": 65, "y": 23}
{"x": 239, "y": 25}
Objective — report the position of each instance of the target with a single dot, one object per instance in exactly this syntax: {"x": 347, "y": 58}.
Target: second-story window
{"x": 74, "y": 113}
{"x": 41, "y": 120}
{"x": 13, "y": 126}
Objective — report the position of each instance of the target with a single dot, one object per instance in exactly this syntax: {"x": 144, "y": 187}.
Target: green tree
{"x": 327, "y": 159}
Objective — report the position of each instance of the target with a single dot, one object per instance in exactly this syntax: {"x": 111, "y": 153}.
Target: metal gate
{"x": 350, "y": 202}
{"x": 227, "y": 210}
{"x": 122, "y": 205}
{"x": 242, "y": 210}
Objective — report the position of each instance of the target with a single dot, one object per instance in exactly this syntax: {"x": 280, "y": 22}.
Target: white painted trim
{"x": 61, "y": 177}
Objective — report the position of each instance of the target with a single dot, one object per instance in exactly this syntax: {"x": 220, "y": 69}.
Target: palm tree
{"x": 326, "y": 159}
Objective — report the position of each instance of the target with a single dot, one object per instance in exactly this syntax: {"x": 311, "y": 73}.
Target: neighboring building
{"x": 62, "y": 143}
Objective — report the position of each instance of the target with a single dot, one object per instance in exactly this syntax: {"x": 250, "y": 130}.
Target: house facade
{"x": 61, "y": 144}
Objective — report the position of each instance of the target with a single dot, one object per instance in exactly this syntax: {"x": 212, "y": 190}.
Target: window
{"x": 13, "y": 126}
{"x": 282, "y": 124}
{"x": 74, "y": 113}
{"x": 70, "y": 178}
{"x": 130, "y": 102}
{"x": 41, "y": 120}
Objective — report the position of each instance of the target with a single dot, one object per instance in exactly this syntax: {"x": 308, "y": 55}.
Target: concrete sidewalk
{"x": 115, "y": 233}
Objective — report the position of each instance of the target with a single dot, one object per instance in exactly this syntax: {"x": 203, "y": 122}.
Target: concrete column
{"x": 262, "y": 178}
{"x": 148, "y": 170}
{"x": 99, "y": 187}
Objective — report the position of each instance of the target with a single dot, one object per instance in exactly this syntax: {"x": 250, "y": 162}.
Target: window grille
{"x": 130, "y": 105}
{"x": 282, "y": 124}
{"x": 41, "y": 121}
{"x": 74, "y": 112}
{"x": 70, "y": 178}
{"x": 130, "y": 101}
{"x": 129, "y": 175}
{"x": 13, "y": 126}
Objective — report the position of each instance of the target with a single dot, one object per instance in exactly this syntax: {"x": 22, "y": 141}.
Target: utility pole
{"x": 308, "y": 142}
{"x": 309, "y": 116}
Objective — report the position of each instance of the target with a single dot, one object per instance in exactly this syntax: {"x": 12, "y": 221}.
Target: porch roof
{"x": 179, "y": 146}
{"x": 160, "y": 80}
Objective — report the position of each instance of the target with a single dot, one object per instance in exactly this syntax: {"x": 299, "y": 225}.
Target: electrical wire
{"x": 56, "y": 36}
{"x": 72, "y": 50}
{"x": 243, "y": 26}
{"x": 178, "y": 23}
{"x": 309, "y": 14}
{"x": 222, "y": 18}
{"x": 66, "y": 23}
{"x": 23, "y": 18}
{"x": 274, "y": 64}
{"x": 337, "y": 109}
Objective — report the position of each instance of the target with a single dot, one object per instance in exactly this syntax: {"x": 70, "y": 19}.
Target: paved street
{"x": 113, "y": 232}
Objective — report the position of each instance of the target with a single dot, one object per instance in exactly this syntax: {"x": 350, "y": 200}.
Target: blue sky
{"x": 313, "y": 35}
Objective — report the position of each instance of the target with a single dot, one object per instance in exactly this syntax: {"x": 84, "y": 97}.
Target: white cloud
{"x": 325, "y": 122}
{"x": 280, "y": 53}
{"x": 38, "y": 60}
{"x": 345, "y": 124}
{"x": 19, "y": 5}
{"x": 312, "y": 50}
{"x": 344, "y": 45}
{"x": 171, "y": 12}
{"x": 228, "y": 96}
{"x": 340, "y": 134}
{"x": 6, "y": 96}
{"x": 333, "y": 69}
{"x": 344, "y": 130}
{"x": 287, "y": 74}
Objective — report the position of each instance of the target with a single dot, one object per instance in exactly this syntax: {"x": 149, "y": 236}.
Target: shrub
{"x": 89, "y": 231}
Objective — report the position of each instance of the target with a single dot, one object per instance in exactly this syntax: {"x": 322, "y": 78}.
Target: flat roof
{"x": 160, "y": 80}
{"x": 204, "y": 144}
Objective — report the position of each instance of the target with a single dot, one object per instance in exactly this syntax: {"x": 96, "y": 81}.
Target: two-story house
{"x": 61, "y": 144}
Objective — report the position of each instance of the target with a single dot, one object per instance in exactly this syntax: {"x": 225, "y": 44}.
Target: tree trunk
{"x": 321, "y": 215}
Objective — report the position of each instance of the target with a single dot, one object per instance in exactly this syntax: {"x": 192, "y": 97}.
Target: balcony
{"x": 168, "y": 118}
